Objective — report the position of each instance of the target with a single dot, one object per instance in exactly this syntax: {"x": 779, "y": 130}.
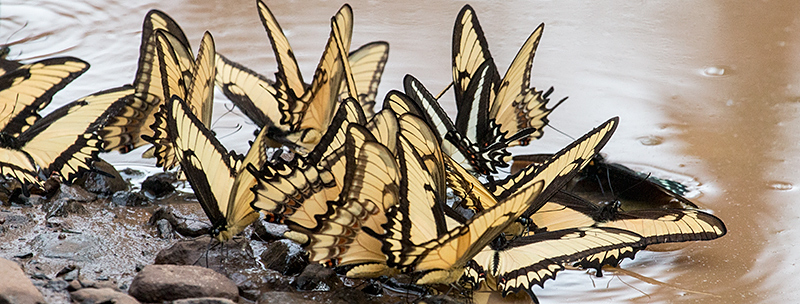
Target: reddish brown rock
{"x": 17, "y": 287}
{"x": 159, "y": 283}
{"x": 102, "y": 295}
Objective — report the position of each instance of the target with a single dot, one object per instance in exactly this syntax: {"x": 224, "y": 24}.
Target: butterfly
{"x": 66, "y": 141}
{"x": 285, "y": 187}
{"x": 196, "y": 89}
{"x": 587, "y": 235}
{"x": 218, "y": 178}
{"x": 512, "y": 104}
{"x": 150, "y": 92}
{"x": 296, "y": 113}
{"x": 493, "y": 113}
{"x": 417, "y": 234}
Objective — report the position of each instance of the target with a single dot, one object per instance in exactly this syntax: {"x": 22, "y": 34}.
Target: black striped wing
{"x": 252, "y": 93}
{"x": 531, "y": 260}
{"x": 196, "y": 90}
{"x": 367, "y": 64}
{"x": 470, "y": 50}
{"x": 419, "y": 237}
{"x": 518, "y": 106}
{"x": 312, "y": 114}
{"x": 299, "y": 190}
{"x": 65, "y": 141}
{"x": 30, "y": 88}
{"x": 148, "y": 81}
{"x": 558, "y": 170}
{"x": 213, "y": 172}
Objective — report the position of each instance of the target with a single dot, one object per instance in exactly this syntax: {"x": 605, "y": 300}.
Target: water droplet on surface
{"x": 783, "y": 186}
{"x": 650, "y": 140}
{"x": 716, "y": 71}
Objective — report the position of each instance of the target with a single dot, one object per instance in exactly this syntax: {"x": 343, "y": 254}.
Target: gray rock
{"x": 164, "y": 229}
{"x": 285, "y": 257}
{"x": 77, "y": 247}
{"x": 159, "y": 184}
{"x": 102, "y": 295}
{"x": 179, "y": 226}
{"x": 268, "y": 232}
{"x": 130, "y": 199}
{"x": 204, "y": 301}
{"x": 16, "y": 287}
{"x": 106, "y": 183}
{"x": 314, "y": 275}
{"x": 75, "y": 193}
{"x": 230, "y": 256}
{"x": 158, "y": 283}
{"x": 63, "y": 207}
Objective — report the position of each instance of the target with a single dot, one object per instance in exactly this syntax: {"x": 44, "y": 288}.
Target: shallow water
{"x": 705, "y": 90}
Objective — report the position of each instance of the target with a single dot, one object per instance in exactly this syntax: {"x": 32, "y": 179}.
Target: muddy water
{"x": 707, "y": 92}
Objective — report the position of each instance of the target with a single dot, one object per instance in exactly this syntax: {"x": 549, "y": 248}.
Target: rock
{"x": 129, "y": 199}
{"x": 267, "y": 232}
{"x": 158, "y": 283}
{"x": 75, "y": 193}
{"x": 16, "y": 287}
{"x": 178, "y": 226}
{"x": 207, "y": 252}
{"x": 69, "y": 273}
{"x": 280, "y": 297}
{"x": 57, "y": 285}
{"x": 204, "y": 301}
{"x": 315, "y": 274}
{"x": 164, "y": 229}
{"x": 253, "y": 283}
{"x": 130, "y": 172}
{"x": 285, "y": 257}
{"x": 69, "y": 246}
{"x": 11, "y": 192}
{"x": 63, "y": 207}
{"x": 159, "y": 184}
{"x": 102, "y": 295}
{"x": 99, "y": 284}
{"x": 74, "y": 285}
{"x": 105, "y": 180}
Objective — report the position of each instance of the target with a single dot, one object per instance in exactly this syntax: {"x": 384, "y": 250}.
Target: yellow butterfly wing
{"x": 30, "y": 88}
{"x": 66, "y": 140}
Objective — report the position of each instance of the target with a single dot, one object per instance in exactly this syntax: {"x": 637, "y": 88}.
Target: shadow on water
{"x": 707, "y": 90}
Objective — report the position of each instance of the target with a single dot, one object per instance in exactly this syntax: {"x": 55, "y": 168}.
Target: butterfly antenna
{"x": 629, "y": 285}
{"x": 14, "y": 42}
{"x": 637, "y": 183}
{"x": 444, "y": 90}
{"x": 227, "y": 111}
{"x": 559, "y": 131}
{"x": 236, "y": 128}
{"x": 608, "y": 180}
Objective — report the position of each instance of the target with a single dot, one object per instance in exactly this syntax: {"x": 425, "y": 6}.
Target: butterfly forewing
{"x": 65, "y": 140}
{"x": 560, "y": 169}
{"x": 470, "y": 49}
{"x": 30, "y": 88}
{"x": 367, "y": 64}
{"x": 252, "y": 93}
{"x": 289, "y": 77}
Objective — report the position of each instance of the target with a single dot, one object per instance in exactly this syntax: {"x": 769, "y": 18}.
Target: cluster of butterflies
{"x": 404, "y": 191}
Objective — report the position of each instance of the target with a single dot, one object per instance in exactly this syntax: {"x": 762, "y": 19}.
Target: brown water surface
{"x": 708, "y": 92}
